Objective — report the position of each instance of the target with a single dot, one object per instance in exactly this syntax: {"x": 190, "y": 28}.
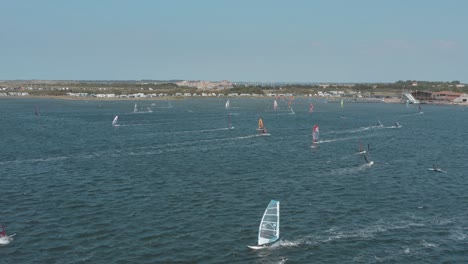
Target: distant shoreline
{"x": 393, "y": 100}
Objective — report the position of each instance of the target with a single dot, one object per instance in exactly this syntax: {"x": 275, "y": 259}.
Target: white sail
{"x": 268, "y": 231}
{"x": 275, "y": 105}
{"x": 114, "y": 122}
{"x": 227, "y": 104}
{"x": 135, "y": 108}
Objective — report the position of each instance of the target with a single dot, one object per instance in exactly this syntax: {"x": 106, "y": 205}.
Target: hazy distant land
{"x": 153, "y": 89}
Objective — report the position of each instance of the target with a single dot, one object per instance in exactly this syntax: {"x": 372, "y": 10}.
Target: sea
{"x": 176, "y": 185}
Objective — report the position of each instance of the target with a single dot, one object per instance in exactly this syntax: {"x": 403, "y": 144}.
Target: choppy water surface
{"x": 176, "y": 186}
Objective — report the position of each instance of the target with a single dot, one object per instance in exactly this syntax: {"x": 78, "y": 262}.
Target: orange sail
{"x": 260, "y": 123}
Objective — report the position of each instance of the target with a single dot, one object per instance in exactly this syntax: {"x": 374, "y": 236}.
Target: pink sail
{"x": 311, "y": 108}
{"x": 315, "y": 133}
{"x": 3, "y": 232}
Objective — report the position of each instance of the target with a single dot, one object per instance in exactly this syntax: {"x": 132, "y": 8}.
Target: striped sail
{"x": 268, "y": 232}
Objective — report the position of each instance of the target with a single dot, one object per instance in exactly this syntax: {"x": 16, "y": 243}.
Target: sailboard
{"x": 311, "y": 108}
{"x": 262, "y": 131}
{"x": 230, "y": 122}
{"x": 435, "y": 169}
{"x": 315, "y": 136}
{"x": 369, "y": 163}
{"x": 275, "y": 105}
{"x": 315, "y": 133}
{"x": 114, "y": 122}
{"x": 342, "y": 103}
{"x": 292, "y": 111}
{"x": 4, "y": 237}
{"x": 227, "y": 104}
{"x": 135, "y": 108}
{"x": 361, "y": 148}
{"x": 149, "y": 110}
{"x": 269, "y": 229}
{"x": 36, "y": 111}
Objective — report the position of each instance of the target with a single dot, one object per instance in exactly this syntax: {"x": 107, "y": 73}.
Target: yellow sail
{"x": 260, "y": 123}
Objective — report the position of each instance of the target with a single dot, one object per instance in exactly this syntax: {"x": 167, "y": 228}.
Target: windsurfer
{"x": 3, "y": 232}
{"x": 365, "y": 158}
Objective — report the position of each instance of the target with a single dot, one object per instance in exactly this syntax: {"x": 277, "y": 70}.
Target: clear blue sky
{"x": 240, "y": 40}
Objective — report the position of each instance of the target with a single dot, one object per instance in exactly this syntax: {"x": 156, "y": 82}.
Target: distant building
{"x": 206, "y": 85}
{"x": 436, "y": 96}
{"x": 462, "y": 99}
{"x": 445, "y": 95}
{"x": 422, "y": 95}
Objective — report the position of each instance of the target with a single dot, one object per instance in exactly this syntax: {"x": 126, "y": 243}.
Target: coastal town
{"x": 411, "y": 91}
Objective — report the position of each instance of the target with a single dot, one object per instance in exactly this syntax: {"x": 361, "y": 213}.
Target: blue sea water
{"x": 176, "y": 185}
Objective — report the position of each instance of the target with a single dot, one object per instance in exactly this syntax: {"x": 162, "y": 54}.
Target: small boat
{"x": 114, "y": 122}
{"x": 262, "y": 131}
{"x": 275, "y": 105}
{"x": 268, "y": 231}
{"x": 227, "y": 104}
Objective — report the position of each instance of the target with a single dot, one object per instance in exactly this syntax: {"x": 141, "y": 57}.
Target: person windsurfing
{"x": 3, "y": 233}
